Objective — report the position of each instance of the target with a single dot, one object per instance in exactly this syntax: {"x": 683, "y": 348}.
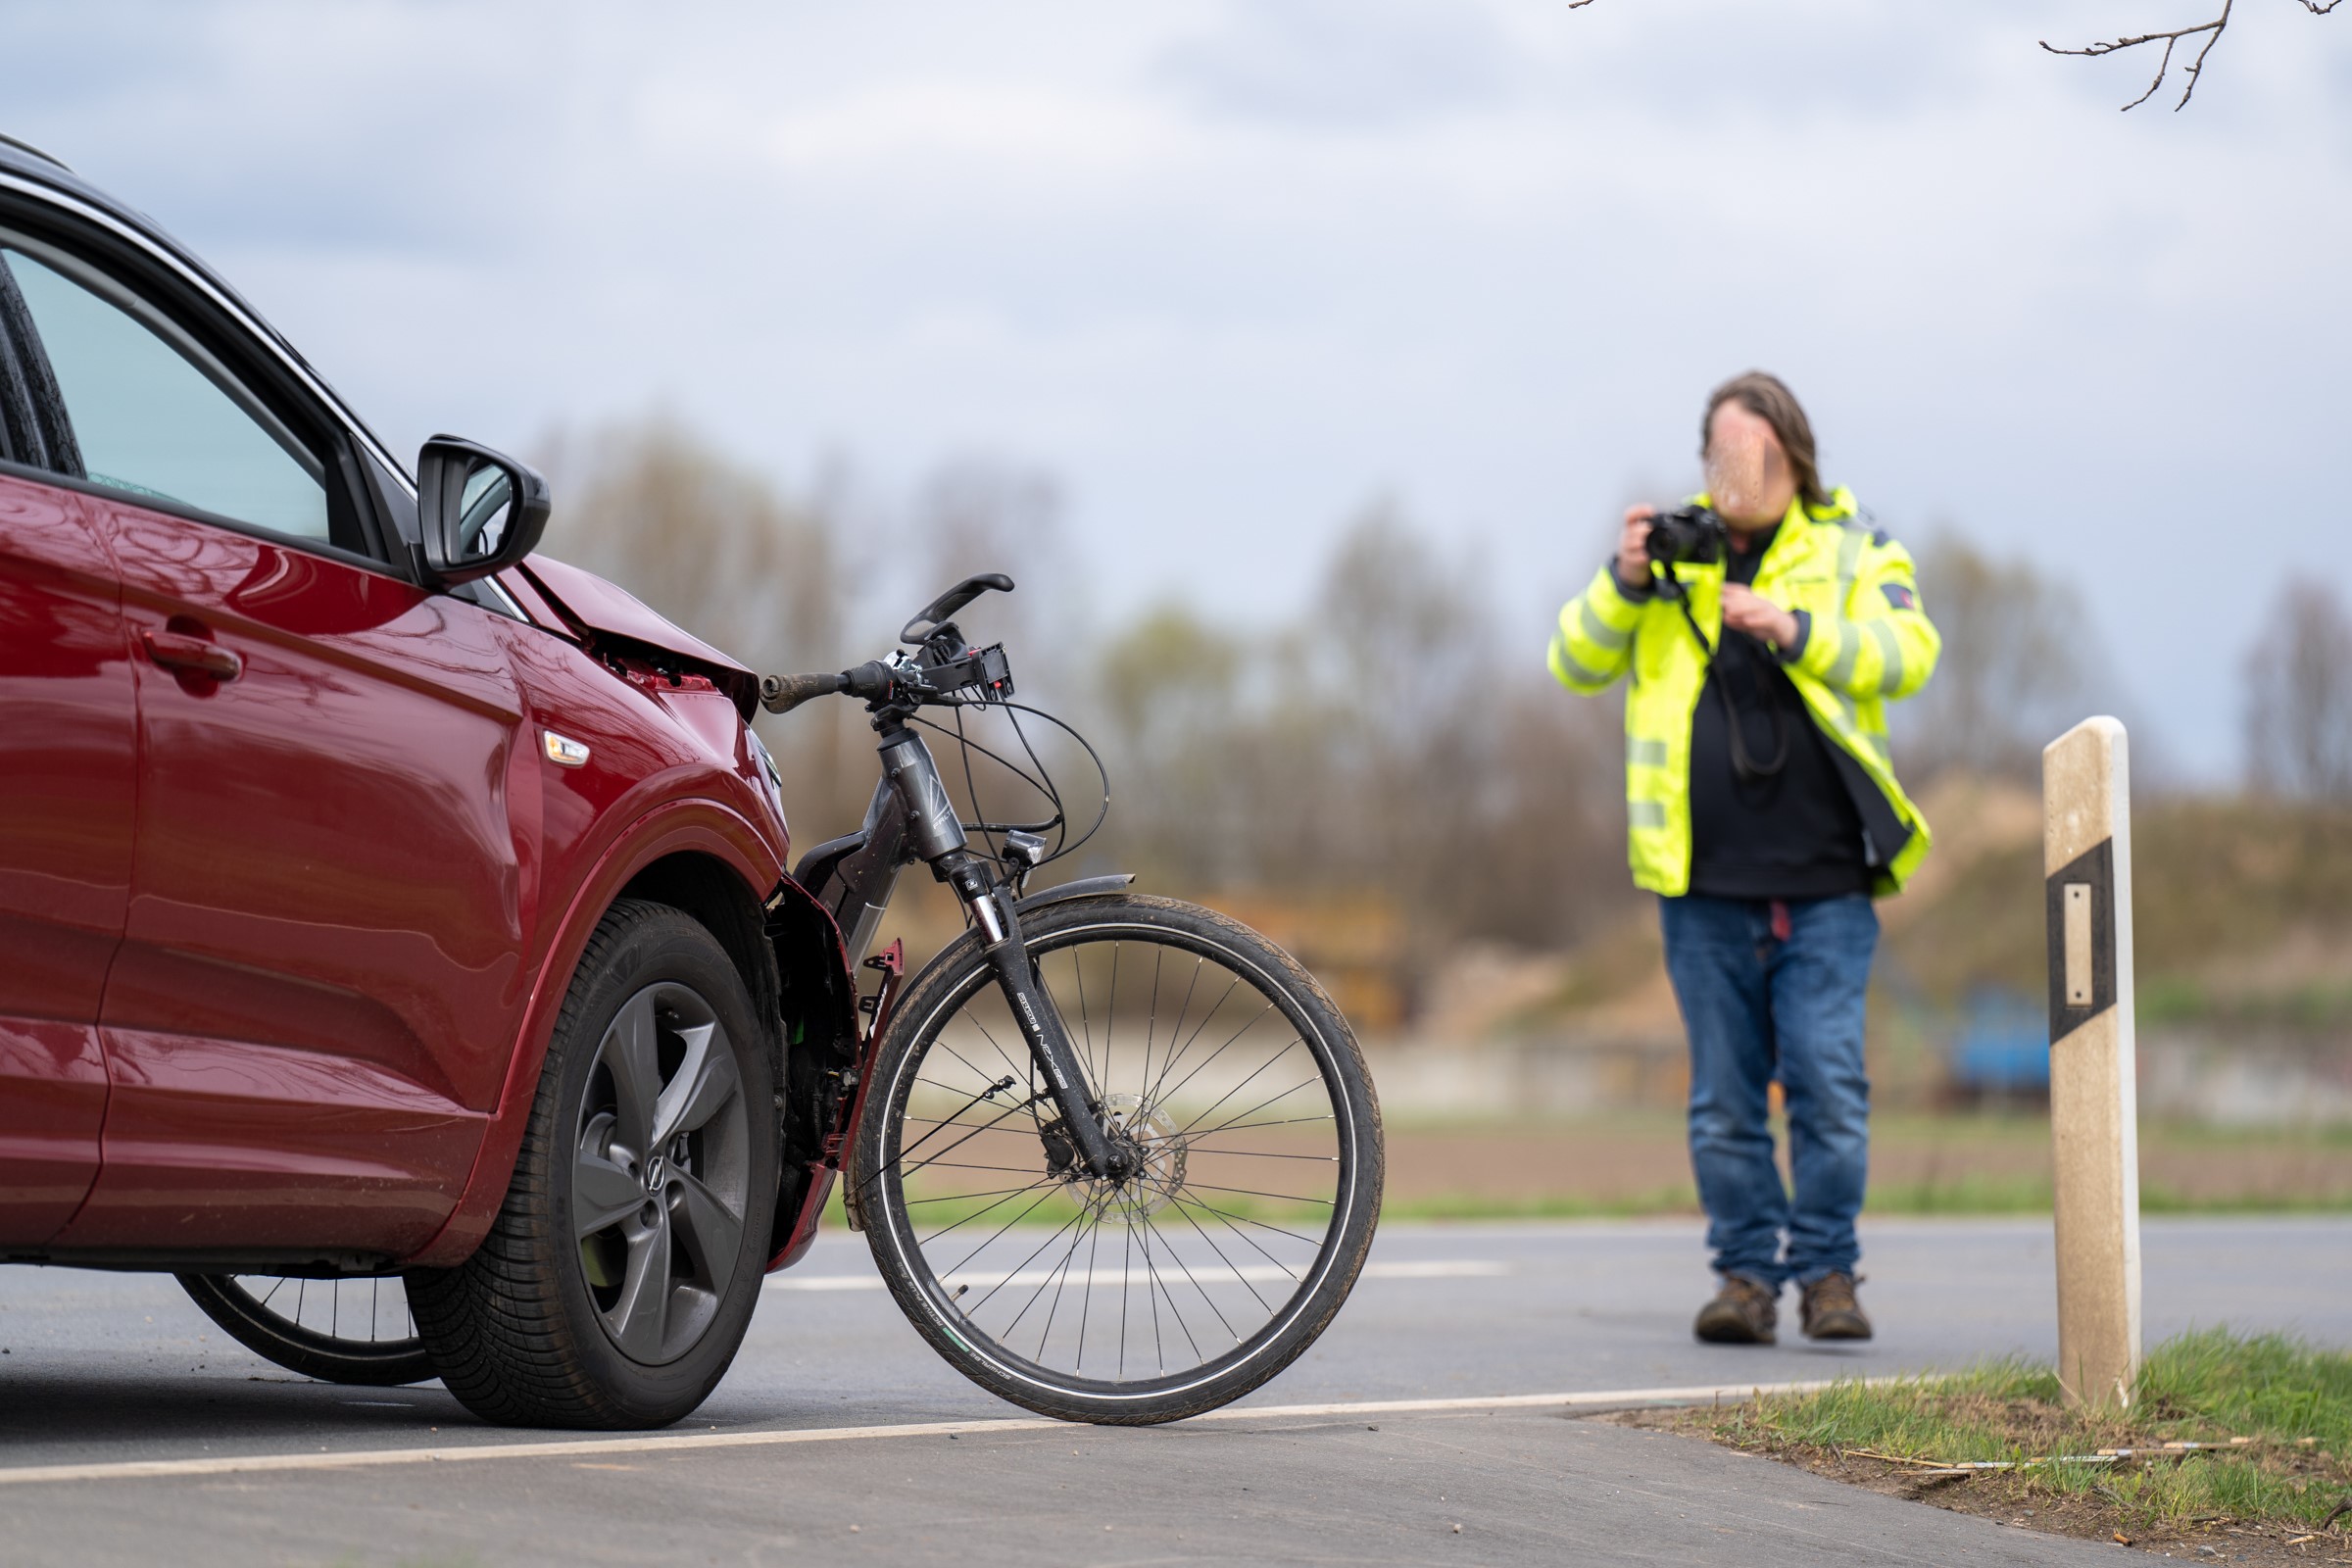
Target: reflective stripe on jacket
{"x": 1863, "y": 639}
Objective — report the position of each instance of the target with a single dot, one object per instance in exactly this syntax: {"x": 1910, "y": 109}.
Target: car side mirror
{"x": 478, "y": 511}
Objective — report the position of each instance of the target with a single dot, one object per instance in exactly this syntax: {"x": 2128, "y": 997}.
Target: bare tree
{"x": 2210, "y": 31}
{"x": 2171, "y": 38}
{"x": 714, "y": 547}
{"x": 1388, "y": 745}
{"x": 983, "y": 515}
{"x": 2299, "y": 698}
{"x": 725, "y": 554}
{"x": 2018, "y": 665}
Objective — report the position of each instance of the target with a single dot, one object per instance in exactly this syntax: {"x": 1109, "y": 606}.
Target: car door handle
{"x": 175, "y": 650}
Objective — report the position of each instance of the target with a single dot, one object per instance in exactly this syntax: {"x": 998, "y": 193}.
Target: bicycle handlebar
{"x": 952, "y": 666}
{"x": 781, "y": 694}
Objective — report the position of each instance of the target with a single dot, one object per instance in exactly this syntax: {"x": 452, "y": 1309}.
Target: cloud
{"x": 1340, "y": 63}
{"x": 1229, "y": 268}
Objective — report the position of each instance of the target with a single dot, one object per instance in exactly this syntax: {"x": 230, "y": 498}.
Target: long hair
{"x": 1769, "y": 399}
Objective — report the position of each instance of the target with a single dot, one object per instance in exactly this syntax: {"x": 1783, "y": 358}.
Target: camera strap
{"x": 1743, "y": 762}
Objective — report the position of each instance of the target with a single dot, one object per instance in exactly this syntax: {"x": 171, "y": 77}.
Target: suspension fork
{"x": 1040, "y": 1021}
{"x": 934, "y": 834}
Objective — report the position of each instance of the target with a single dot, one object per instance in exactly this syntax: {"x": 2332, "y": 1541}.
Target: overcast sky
{"x": 1230, "y": 269}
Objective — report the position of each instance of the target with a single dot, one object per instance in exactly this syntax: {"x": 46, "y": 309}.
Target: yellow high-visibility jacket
{"x": 1863, "y": 639}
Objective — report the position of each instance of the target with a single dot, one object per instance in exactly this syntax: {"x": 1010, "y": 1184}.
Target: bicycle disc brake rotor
{"x": 1159, "y": 1165}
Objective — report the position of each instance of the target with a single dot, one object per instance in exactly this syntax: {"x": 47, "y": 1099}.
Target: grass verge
{"x": 2269, "y": 1500}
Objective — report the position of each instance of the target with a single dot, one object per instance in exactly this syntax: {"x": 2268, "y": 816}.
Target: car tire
{"x": 579, "y": 1310}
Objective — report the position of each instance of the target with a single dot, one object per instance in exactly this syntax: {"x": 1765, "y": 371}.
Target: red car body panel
{"x": 323, "y": 958}
{"x": 292, "y": 887}
{"x": 662, "y": 779}
{"x": 588, "y": 603}
{"x": 682, "y": 827}
{"x": 68, "y": 754}
{"x": 362, "y": 888}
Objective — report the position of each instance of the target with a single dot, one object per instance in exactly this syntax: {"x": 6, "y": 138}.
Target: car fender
{"x": 678, "y": 826}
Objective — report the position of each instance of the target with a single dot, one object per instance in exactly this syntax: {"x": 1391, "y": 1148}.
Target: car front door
{"x": 320, "y": 973}
{"x": 68, "y": 764}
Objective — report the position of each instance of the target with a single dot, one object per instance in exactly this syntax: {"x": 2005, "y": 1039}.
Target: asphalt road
{"x": 158, "y": 1420}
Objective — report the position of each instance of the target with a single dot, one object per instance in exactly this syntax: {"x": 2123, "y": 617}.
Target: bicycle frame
{"x": 912, "y": 818}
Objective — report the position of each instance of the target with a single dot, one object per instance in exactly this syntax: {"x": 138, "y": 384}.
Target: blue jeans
{"x": 1760, "y": 1005}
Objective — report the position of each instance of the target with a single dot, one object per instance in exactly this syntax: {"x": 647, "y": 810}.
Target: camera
{"x": 1692, "y": 534}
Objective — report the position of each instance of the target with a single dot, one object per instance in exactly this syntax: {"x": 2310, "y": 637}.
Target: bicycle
{"x": 1205, "y": 1173}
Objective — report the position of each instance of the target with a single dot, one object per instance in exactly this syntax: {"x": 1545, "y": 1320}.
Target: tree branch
{"x": 2212, "y": 30}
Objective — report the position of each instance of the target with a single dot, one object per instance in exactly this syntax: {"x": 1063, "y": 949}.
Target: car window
{"x": 154, "y": 420}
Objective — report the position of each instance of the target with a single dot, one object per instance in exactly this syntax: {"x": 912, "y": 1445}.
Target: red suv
{"x": 400, "y": 946}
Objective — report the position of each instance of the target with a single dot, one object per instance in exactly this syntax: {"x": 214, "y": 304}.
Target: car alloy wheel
{"x": 661, "y": 1173}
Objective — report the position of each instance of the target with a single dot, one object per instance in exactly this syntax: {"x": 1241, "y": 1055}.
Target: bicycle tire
{"x": 253, "y": 1322}
{"x": 917, "y": 1269}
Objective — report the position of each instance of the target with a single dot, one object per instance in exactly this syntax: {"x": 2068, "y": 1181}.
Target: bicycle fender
{"x": 1086, "y": 887}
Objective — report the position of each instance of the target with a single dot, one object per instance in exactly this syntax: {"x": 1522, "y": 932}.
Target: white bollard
{"x": 2095, "y": 1117}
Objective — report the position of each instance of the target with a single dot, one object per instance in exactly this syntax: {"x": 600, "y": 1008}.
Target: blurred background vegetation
{"x": 1391, "y": 786}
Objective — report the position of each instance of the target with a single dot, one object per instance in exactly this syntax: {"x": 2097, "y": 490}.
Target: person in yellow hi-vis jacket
{"x": 1762, "y": 807}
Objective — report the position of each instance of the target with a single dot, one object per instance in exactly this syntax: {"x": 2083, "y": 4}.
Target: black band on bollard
{"x": 2093, "y": 869}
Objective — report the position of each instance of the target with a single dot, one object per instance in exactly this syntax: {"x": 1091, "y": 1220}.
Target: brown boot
{"x": 1830, "y": 1310}
{"x": 1743, "y": 1312}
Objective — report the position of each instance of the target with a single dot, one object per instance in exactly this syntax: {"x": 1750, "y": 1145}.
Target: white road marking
{"x": 1256, "y": 1273}
{"x": 686, "y": 1441}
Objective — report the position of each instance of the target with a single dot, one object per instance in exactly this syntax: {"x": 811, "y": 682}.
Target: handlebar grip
{"x": 870, "y": 681}
{"x": 781, "y": 694}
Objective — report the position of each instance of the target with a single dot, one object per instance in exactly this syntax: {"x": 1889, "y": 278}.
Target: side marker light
{"x": 562, "y": 750}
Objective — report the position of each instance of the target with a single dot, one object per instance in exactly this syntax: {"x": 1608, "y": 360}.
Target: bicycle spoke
{"x": 1229, "y": 1264}
{"x": 1009, "y": 1277}
{"x": 965, "y": 1197}
{"x": 1110, "y": 1017}
{"x": 1000, "y": 1049}
{"x": 1228, "y": 1221}
{"x": 1246, "y": 1191}
{"x": 1259, "y": 1154}
{"x": 1125, "y": 1262}
{"x": 1084, "y": 1025}
{"x": 1254, "y": 1109}
{"x": 1168, "y": 1065}
{"x": 1219, "y": 1052}
{"x": 1158, "y": 1354}
{"x": 977, "y": 1128}
{"x": 1177, "y": 1028}
{"x": 1202, "y": 1290}
{"x": 968, "y": 1218}
{"x": 991, "y": 1242}
{"x": 965, "y": 1139}
{"x": 1295, "y": 1039}
{"x": 960, "y": 1057}
{"x": 1245, "y": 1219}
{"x": 1086, "y": 1305}
{"x": 1174, "y": 1312}
{"x": 1061, "y": 1277}
{"x": 1152, "y": 1020}
{"x": 1252, "y": 1126}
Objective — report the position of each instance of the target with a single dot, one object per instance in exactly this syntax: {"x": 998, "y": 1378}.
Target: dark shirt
{"x": 1793, "y": 834}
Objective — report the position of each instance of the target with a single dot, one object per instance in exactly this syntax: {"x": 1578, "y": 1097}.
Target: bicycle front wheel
{"x": 1240, "y": 1092}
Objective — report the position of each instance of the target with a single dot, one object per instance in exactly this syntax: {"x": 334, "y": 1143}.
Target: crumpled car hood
{"x": 603, "y": 613}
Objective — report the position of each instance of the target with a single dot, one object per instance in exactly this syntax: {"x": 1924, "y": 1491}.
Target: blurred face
{"x": 1747, "y": 471}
